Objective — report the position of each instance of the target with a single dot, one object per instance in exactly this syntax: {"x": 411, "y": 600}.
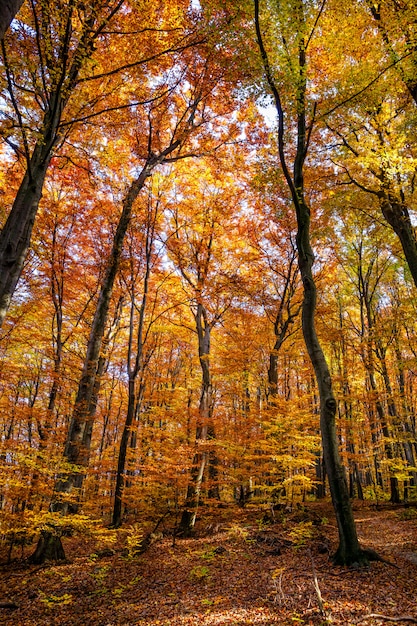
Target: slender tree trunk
{"x": 346, "y": 411}
{"x": 393, "y": 413}
{"x": 121, "y": 461}
{"x": 407, "y": 427}
{"x": 77, "y": 447}
{"x": 200, "y": 460}
{"x": 285, "y": 317}
{"x": 349, "y": 550}
{"x": 16, "y": 234}
{"x": 373, "y": 345}
{"x": 135, "y": 368}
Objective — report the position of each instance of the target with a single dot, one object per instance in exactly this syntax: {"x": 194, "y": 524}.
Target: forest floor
{"x": 243, "y": 568}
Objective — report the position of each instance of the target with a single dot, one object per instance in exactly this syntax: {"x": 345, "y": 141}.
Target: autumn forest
{"x": 208, "y": 263}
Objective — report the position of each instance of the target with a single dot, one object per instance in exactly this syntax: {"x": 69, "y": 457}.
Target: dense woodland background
{"x": 152, "y": 355}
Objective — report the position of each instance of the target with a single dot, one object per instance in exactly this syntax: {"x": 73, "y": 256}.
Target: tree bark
{"x": 77, "y": 447}
{"x": 121, "y": 459}
{"x": 135, "y": 368}
{"x": 285, "y": 317}
{"x": 349, "y": 550}
{"x": 374, "y": 345}
{"x": 398, "y": 217}
{"x": 8, "y": 11}
{"x": 49, "y": 548}
{"x": 16, "y": 234}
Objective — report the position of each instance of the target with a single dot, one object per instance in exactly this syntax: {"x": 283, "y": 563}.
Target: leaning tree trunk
{"x": 17, "y": 232}
{"x": 398, "y": 217}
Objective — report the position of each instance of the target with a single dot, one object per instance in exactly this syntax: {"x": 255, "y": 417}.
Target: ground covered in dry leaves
{"x": 242, "y": 568}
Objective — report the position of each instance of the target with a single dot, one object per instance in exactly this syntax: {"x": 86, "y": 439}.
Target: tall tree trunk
{"x": 200, "y": 460}
{"x": 285, "y": 317}
{"x": 121, "y": 460}
{"x": 373, "y": 345}
{"x": 77, "y": 447}
{"x": 349, "y": 550}
{"x": 407, "y": 427}
{"x": 136, "y": 364}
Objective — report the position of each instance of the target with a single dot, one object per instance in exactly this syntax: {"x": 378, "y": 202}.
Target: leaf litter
{"x": 246, "y": 569}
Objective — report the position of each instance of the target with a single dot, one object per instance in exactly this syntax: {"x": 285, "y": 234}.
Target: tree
{"x": 35, "y": 133}
{"x": 395, "y": 22}
{"x": 174, "y": 123}
{"x": 201, "y": 216}
{"x": 72, "y": 82}
{"x": 349, "y": 550}
{"x": 379, "y": 159}
{"x": 77, "y": 448}
{"x": 139, "y": 352}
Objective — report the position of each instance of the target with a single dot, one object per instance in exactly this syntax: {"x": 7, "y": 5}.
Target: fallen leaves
{"x": 227, "y": 578}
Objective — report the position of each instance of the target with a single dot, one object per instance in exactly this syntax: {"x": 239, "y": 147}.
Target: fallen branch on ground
{"x": 323, "y": 612}
{"x": 400, "y": 618}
